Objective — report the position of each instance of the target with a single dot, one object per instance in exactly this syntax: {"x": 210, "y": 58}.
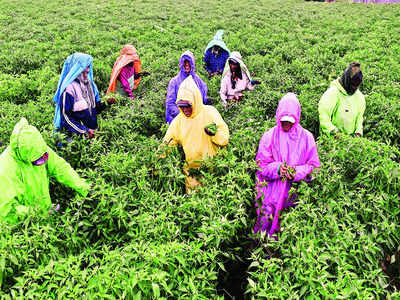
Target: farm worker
{"x": 189, "y": 130}
{"x": 235, "y": 79}
{"x": 126, "y": 73}
{"x": 215, "y": 55}
{"x": 25, "y": 168}
{"x": 287, "y": 153}
{"x": 77, "y": 98}
{"x": 341, "y": 108}
{"x": 186, "y": 69}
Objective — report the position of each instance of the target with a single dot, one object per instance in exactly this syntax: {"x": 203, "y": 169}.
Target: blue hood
{"x": 73, "y": 66}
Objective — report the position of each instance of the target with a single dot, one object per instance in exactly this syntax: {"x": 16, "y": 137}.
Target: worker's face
{"x": 42, "y": 160}
{"x": 216, "y": 49}
{"x": 187, "y": 111}
{"x": 286, "y": 125}
{"x": 186, "y": 66}
{"x": 355, "y": 80}
{"x": 85, "y": 73}
{"x": 234, "y": 67}
{"x": 354, "y": 70}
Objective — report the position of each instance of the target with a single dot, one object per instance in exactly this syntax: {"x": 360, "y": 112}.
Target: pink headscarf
{"x": 283, "y": 141}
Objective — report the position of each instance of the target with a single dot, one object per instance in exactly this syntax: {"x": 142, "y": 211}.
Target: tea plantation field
{"x": 137, "y": 235}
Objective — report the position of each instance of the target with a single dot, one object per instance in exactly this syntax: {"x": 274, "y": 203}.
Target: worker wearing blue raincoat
{"x": 77, "y": 98}
{"x": 216, "y": 55}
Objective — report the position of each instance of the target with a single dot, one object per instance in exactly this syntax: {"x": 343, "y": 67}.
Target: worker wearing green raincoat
{"x": 25, "y": 168}
{"x": 341, "y": 108}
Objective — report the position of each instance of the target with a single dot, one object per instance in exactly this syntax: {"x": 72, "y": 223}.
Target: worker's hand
{"x": 90, "y": 133}
{"x": 21, "y": 210}
{"x": 111, "y": 100}
{"x": 357, "y": 134}
{"x": 289, "y": 176}
{"x": 162, "y": 155}
{"x": 237, "y": 99}
{"x": 54, "y": 208}
{"x": 142, "y": 74}
{"x": 283, "y": 170}
{"x": 209, "y": 132}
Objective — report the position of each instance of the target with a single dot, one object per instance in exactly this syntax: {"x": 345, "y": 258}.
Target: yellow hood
{"x": 189, "y": 131}
{"x": 189, "y": 91}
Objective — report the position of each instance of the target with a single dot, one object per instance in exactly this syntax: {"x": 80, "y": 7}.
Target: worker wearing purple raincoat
{"x": 297, "y": 148}
{"x": 171, "y": 108}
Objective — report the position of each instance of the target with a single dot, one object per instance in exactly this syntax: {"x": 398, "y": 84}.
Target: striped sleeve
{"x": 66, "y": 111}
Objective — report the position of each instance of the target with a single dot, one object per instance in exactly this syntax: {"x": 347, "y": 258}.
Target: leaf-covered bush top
{"x": 138, "y": 235}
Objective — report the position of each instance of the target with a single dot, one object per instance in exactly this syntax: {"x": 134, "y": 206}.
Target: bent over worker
{"x": 126, "y": 73}
{"x": 215, "y": 55}
{"x": 25, "y": 168}
{"x": 77, "y": 98}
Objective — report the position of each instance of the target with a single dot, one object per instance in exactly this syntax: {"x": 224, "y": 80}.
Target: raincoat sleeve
{"x": 360, "y": 117}
{"x": 66, "y": 108}
{"x": 8, "y": 199}
{"x": 204, "y": 92}
{"x": 123, "y": 78}
{"x": 326, "y": 109}
{"x": 221, "y": 138}
{"x": 10, "y": 208}
{"x": 206, "y": 60}
{"x": 171, "y": 107}
{"x": 269, "y": 168}
{"x": 64, "y": 173}
{"x": 223, "y": 91}
{"x": 170, "y": 137}
{"x": 312, "y": 160}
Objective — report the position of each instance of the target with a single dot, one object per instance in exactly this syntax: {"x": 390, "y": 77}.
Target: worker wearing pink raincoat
{"x": 296, "y": 147}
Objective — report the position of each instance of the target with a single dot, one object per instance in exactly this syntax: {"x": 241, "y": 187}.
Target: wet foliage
{"x": 137, "y": 235}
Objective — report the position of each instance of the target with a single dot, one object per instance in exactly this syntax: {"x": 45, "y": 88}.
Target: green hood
{"x": 26, "y": 142}
{"x": 339, "y": 111}
{"x": 25, "y": 187}
{"x": 337, "y": 84}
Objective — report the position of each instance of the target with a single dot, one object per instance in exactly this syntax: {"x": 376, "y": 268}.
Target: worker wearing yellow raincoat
{"x": 189, "y": 130}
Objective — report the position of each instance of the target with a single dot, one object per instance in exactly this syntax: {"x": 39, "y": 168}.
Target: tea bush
{"x": 137, "y": 235}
